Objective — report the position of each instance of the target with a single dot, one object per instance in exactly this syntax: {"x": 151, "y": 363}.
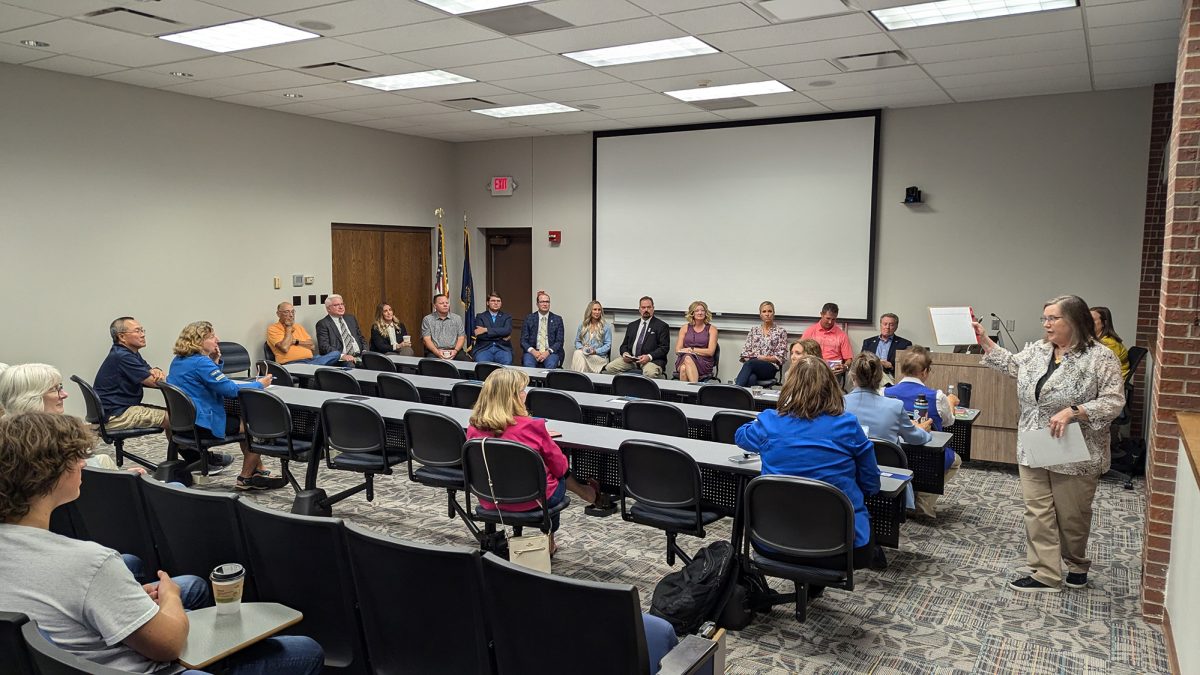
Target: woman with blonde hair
{"x": 388, "y": 333}
{"x": 697, "y": 344}
{"x": 593, "y": 341}
{"x": 765, "y": 349}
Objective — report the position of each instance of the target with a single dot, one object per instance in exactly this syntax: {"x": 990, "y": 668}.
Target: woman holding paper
{"x": 1068, "y": 378}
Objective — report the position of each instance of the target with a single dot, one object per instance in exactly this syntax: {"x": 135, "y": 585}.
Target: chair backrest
{"x": 727, "y": 396}
{"x": 181, "y": 412}
{"x": 516, "y": 470}
{"x": 49, "y": 659}
{"x": 659, "y": 475}
{"x": 437, "y": 368}
{"x": 268, "y": 353}
{"x": 13, "y": 652}
{"x": 888, "y": 453}
{"x": 1135, "y": 356}
{"x": 196, "y": 530}
{"x": 464, "y": 394}
{"x": 569, "y": 380}
{"x": 800, "y": 517}
{"x": 726, "y": 423}
{"x": 235, "y": 358}
{"x": 628, "y": 384}
{"x": 433, "y": 439}
{"x": 264, "y": 414}
{"x": 338, "y": 381}
{"x": 282, "y": 377}
{"x": 449, "y": 632}
{"x": 354, "y": 427}
{"x": 377, "y": 361}
{"x": 553, "y": 404}
{"x": 600, "y": 620}
{"x": 397, "y": 387}
{"x": 95, "y": 409}
{"x": 112, "y": 511}
{"x": 655, "y": 417}
{"x": 485, "y": 368}
{"x": 302, "y": 562}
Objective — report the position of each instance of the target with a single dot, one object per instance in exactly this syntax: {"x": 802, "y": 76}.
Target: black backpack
{"x": 690, "y": 596}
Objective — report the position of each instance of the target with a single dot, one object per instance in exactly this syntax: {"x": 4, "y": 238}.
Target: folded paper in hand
{"x": 1042, "y": 449}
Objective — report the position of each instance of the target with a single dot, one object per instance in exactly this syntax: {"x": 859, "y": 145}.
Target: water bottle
{"x": 921, "y": 408}
{"x": 949, "y": 390}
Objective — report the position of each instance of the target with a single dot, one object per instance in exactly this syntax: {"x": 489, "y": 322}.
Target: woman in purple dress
{"x": 696, "y": 345}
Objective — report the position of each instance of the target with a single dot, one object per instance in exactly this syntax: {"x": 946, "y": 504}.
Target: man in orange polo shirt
{"x": 290, "y": 343}
{"x": 835, "y": 344}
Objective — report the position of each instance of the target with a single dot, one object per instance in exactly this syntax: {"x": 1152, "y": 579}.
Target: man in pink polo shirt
{"x": 835, "y": 344}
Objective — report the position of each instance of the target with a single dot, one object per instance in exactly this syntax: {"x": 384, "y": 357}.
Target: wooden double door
{"x": 374, "y": 264}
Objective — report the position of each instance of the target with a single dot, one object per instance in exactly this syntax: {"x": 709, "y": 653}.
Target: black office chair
{"x": 235, "y": 358}
{"x": 798, "y": 519}
{"x": 727, "y": 396}
{"x": 181, "y": 414}
{"x": 890, "y": 454}
{"x": 450, "y": 632}
{"x": 377, "y": 361}
{"x": 435, "y": 443}
{"x": 1135, "y": 356}
{"x": 1120, "y": 456}
{"x": 484, "y": 368}
{"x": 116, "y": 438}
{"x": 637, "y": 386}
{"x": 726, "y": 423}
{"x": 268, "y": 423}
{"x": 517, "y": 474}
{"x": 397, "y": 387}
{"x": 655, "y": 417}
{"x": 569, "y": 380}
{"x": 553, "y": 405}
{"x": 111, "y": 511}
{"x": 713, "y": 377}
{"x": 773, "y": 380}
{"x": 46, "y": 658}
{"x": 14, "y": 654}
{"x": 434, "y": 367}
{"x": 302, "y": 562}
{"x": 464, "y": 394}
{"x": 268, "y": 353}
{"x": 280, "y": 374}
{"x": 664, "y": 484}
{"x": 196, "y": 530}
{"x": 355, "y": 440}
{"x": 338, "y": 381}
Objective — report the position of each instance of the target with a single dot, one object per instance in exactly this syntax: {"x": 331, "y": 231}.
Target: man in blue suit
{"x": 542, "y": 336}
{"x": 492, "y": 328}
{"x": 887, "y": 343}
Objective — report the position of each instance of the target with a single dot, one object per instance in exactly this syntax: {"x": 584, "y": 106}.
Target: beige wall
{"x": 1183, "y": 583}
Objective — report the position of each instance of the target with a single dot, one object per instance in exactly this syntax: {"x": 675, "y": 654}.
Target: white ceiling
{"x": 1104, "y": 44}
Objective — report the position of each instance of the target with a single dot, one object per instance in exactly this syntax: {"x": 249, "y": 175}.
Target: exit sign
{"x": 503, "y": 186}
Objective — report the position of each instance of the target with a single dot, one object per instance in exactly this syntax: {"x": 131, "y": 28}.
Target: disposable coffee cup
{"x": 406, "y": 338}
{"x": 227, "y": 581}
{"x": 756, "y": 390}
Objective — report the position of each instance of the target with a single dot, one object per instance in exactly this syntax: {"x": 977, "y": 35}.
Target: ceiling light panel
{"x": 232, "y": 37}
{"x": 643, "y": 51}
{"x": 952, "y": 11}
{"x": 730, "y": 91}
{"x": 428, "y": 78}
{"x": 525, "y": 110}
{"x": 464, "y": 6}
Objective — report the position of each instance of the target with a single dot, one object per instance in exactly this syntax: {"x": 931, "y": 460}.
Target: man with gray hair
{"x": 122, "y": 377}
{"x": 886, "y": 344}
{"x": 339, "y": 331}
{"x": 290, "y": 343}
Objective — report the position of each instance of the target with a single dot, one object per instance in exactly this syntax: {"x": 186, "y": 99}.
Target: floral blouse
{"x": 1091, "y": 380}
{"x": 774, "y": 343}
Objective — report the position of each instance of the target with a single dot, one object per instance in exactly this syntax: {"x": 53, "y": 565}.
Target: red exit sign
{"x": 503, "y": 186}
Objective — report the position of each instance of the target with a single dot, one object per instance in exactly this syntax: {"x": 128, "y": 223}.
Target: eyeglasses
{"x": 1051, "y": 319}
{"x": 137, "y": 331}
{"x": 56, "y": 389}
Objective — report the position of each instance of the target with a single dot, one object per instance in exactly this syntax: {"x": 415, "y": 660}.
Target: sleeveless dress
{"x": 699, "y": 340}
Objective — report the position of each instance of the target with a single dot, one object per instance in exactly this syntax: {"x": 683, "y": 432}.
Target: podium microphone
{"x": 1010, "y": 337}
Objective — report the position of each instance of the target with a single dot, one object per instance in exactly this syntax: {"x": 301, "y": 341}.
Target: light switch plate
{"x": 308, "y": 280}
{"x": 297, "y": 280}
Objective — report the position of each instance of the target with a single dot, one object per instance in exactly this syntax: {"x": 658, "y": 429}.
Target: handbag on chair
{"x": 528, "y": 550}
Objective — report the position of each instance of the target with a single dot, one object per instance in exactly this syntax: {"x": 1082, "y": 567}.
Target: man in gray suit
{"x": 339, "y": 331}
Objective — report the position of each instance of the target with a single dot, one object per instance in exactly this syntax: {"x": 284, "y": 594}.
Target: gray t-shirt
{"x": 79, "y": 592}
{"x": 444, "y": 332}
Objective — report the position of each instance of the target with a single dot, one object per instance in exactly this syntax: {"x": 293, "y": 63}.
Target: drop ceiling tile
{"x": 1136, "y": 32}
{"x": 421, "y": 36}
{"x": 358, "y": 16}
{"x": 1066, "y": 71}
{"x": 613, "y": 34}
{"x": 1139, "y": 79}
{"x": 588, "y": 12}
{"x": 16, "y": 17}
{"x": 303, "y": 108}
{"x": 786, "y": 71}
{"x": 876, "y": 89}
{"x": 68, "y": 37}
{"x": 698, "y": 117}
{"x": 1042, "y": 42}
{"x": 823, "y": 49}
{"x": 650, "y": 111}
{"x": 346, "y": 116}
{"x": 75, "y": 65}
{"x": 1150, "y": 63}
{"x": 576, "y": 127}
{"x": 1129, "y": 50}
{"x": 861, "y": 77}
{"x": 211, "y": 67}
{"x": 143, "y": 51}
{"x": 487, "y": 51}
{"x": 265, "y": 7}
{"x": 503, "y": 100}
{"x": 386, "y": 124}
{"x": 320, "y": 92}
{"x": 581, "y": 78}
{"x": 667, "y": 6}
{"x": 796, "y": 32}
{"x": 617, "y": 102}
{"x": 717, "y": 19}
{"x": 569, "y": 94}
{"x": 144, "y": 78}
{"x": 1014, "y": 89}
{"x": 63, "y": 8}
{"x": 716, "y": 79}
{"x": 256, "y": 99}
{"x": 386, "y": 65}
{"x": 897, "y": 100}
{"x": 766, "y": 112}
{"x": 369, "y": 100}
{"x": 507, "y": 70}
{"x": 559, "y": 119}
{"x": 18, "y": 54}
{"x": 988, "y": 29}
{"x": 450, "y": 91}
{"x": 783, "y": 98}
{"x": 270, "y": 80}
{"x": 306, "y": 53}
{"x": 191, "y": 13}
{"x": 683, "y": 66}
{"x": 206, "y": 89}
{"x": 1008, "y": 62}
{"x": 1133, "y": 12}
{"x": 410, "y": 110}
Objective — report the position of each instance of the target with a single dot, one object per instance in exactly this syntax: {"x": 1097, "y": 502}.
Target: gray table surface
{"x": 212, "y": 636}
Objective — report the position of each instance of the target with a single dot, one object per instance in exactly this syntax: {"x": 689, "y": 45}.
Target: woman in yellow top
{"x": 1102, "y": 319}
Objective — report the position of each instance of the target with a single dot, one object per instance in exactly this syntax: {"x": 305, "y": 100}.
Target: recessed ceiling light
{"x": 180, "y": 73}
{"x": 291, "y": 95}
{"x": 232, "y": 37}
{"x": 951, "y": 11}
{"x": 730, "y": 91}
{"x": 35, "y": 43}
{"x": 643, "y": 51}
{"x": 464, "y": 6}
{"x": 428, "y": 78}
{"x": 821, "y": 83}
{"x": 523, "y": 110}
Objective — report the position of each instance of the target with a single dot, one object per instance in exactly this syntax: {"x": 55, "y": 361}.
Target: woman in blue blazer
{"x": 882, "y": 417}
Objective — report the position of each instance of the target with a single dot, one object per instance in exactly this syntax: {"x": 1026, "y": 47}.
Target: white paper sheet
{"x": 1042, "y": 449}
{"x": 952, "y": 325}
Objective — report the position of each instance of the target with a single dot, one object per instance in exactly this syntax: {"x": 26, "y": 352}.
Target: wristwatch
{"x": 1075, "y": 411}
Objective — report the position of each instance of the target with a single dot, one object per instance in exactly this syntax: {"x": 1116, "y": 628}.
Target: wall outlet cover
{"x": 297, "y": 280}
{"x": 995, "y": 324}
{"x": 309, "y": 280}
{"x": 1011, "y": 324}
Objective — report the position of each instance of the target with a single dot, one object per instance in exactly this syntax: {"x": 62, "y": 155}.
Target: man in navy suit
{"x": 542, "y": 336}
{"x": 887, "y": 343}
{"x": 492, "y": 328}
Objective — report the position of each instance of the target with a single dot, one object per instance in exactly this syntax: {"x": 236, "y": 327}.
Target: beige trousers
{"x": 587, "y": 363}
{"x": 926, "y": 502}
{"x": 618, "y": 365}
{"x": 1058, "y": 520}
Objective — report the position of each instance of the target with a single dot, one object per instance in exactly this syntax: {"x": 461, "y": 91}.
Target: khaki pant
{"x": 1058, "y": 520}
{"x": 925, "y": 502}
{"x": 618, "y": 365}
{"x": 587, "y": 363}
{"x": 137, "y": 417}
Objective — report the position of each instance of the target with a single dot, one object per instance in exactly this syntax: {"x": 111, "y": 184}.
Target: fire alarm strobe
{"x": 502, "y": 186}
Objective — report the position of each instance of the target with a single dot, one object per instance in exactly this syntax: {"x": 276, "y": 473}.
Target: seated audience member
{"x": 493, "y": 329}
{"x": 801, "y": 348}
{"x": 500, "y": 412}
{"x": 697, "y": 344}
{"x": 593, "y": 340}
{"x": 339, "y": 331}
{"x": 443, "y": 333}
{"x": 811, "y": 435}
{"x": 882, "y": 416}
{"x": 645, "y": 345}
{"x": 835, "y": 344}
{"x": 80, "y": 593}
{"x": 1103, "y": 324}
{"x": 765, "y": 349}
{"x": 914, "y": 369}
{"x": 542, "y": 336}
{"x": 195, "y": 372}
{"x": 290, "y": 343}
{"x": 389, "y": 336}
{"x": 122, "y": 377}
{"x": 886, "y": 344}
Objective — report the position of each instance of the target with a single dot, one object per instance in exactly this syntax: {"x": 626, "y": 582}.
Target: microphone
{"x": 1010, "y": 337}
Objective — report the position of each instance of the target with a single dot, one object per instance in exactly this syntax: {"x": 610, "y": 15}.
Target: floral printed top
{"x": 774, "y": 343}
{"x": 1091, "y": 380}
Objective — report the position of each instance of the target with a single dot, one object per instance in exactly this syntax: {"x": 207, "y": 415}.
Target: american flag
{"x": 440, "y": 285}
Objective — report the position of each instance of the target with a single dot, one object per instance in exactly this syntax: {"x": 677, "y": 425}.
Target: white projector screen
{"x": 734, "y": 215}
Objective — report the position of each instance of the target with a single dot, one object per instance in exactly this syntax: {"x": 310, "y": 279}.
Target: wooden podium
{"x": 994, "y": 435}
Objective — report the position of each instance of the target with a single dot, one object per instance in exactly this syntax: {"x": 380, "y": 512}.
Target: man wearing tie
{"x": 492, "y": 329}
{"x": 645, "y": 346}
{"x": 886, "y": 344}
{"x": 542, "y": 336}
{"x": 339, "y": 331}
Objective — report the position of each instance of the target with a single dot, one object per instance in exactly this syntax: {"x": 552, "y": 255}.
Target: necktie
{"x": 348, "y": 343}
{"x": 542, "y": 339}
{"x": 637, "y": 346}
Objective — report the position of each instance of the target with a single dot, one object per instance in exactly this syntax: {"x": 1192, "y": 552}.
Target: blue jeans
{"x": 660, "y": 639}
{"x": 494, "y": 353}
{"x": 754, "y": 370}
{"x": 285, "y": 654}
{"x": 193, "y": 591}
{"x": 551, "y": 361}
{"x": 329, "y": 359}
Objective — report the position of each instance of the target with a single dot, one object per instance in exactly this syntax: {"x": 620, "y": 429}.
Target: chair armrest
{"x": 693, "y": 654}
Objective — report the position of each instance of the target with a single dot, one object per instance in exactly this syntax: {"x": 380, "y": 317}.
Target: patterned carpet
{"x": 942, "y": 606}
